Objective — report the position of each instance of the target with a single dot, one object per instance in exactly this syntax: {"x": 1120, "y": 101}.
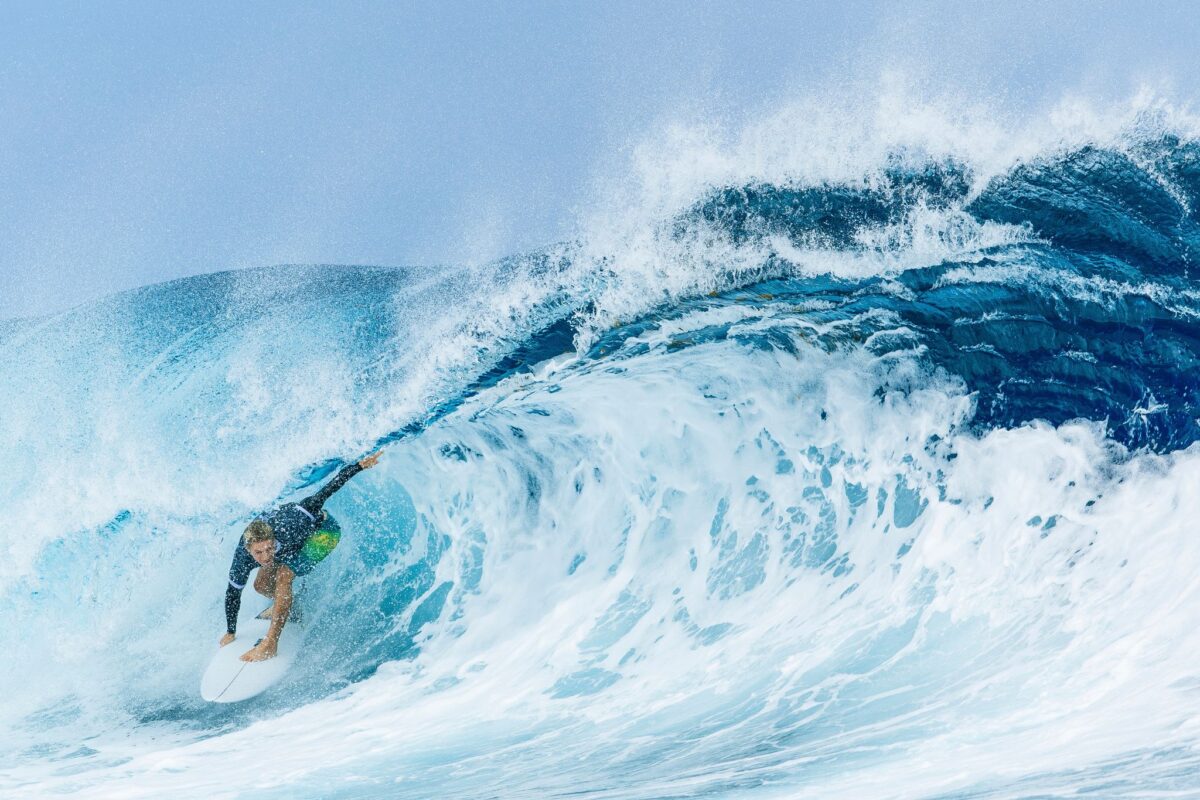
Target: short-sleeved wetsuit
{"x": 294, "y": 525}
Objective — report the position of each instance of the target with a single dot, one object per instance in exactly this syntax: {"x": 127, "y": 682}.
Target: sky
{"x": 144, "y": 141}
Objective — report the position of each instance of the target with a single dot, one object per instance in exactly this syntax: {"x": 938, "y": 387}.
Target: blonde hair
{"x": 257, "y": 531}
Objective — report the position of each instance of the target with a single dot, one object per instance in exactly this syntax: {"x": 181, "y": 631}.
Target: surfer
{"x": 285, "y": 543}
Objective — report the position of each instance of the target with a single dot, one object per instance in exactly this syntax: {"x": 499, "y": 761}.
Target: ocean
{"x": 852, "y": 454}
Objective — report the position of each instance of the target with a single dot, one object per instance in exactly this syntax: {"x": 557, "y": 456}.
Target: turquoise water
{"x": 871, "y": 482}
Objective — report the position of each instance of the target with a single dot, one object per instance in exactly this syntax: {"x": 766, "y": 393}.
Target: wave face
{"x": 877, "y": 482}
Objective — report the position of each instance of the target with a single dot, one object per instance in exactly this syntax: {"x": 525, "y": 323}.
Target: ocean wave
{"x": 832, "y": 465}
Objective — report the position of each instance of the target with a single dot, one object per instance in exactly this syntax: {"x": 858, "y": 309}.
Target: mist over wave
{"x": 847, "y": 454}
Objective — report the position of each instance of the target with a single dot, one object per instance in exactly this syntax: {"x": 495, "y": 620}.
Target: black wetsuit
{"x": 292, "y": 523}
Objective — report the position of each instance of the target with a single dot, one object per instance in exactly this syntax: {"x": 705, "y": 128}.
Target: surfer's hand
{"x": 227, "y": 638}
{"x": 260, "y": 653}
{"x": 371, "y": 460}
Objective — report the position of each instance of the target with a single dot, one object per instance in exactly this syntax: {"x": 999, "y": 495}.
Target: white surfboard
{"x": 228, "y": 679}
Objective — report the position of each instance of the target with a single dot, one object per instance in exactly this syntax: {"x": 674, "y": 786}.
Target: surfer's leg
{"x": 264, "y": 583}
{"x": 296, "y": 615}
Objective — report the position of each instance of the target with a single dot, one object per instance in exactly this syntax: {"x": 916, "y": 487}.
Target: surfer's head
{"x": 259, "y": 539}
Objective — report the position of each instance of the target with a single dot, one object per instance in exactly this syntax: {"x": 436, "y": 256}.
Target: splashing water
{"x": 849, "y": 465}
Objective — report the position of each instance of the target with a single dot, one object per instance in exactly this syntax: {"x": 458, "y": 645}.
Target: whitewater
{"x": 847, "y": 453}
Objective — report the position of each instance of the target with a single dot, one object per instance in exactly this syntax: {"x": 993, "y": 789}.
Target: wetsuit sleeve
{"x": 239, "y": 572}
{"x": 233, "y": 603}
{"x": 313, "y": 504}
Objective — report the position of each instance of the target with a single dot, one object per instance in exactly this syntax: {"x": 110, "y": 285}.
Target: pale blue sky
{"x": 143, "y": 141}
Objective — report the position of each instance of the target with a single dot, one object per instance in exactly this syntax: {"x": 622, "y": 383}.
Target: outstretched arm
{"x": 314, "y": 503}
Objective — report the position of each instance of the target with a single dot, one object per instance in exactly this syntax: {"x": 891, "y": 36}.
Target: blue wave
{"x": 792, "y": 437}
{"x": 1096, "y": 318}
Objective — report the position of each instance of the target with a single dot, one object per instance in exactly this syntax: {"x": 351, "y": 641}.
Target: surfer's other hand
{"x": 227, "y": 638}
{"x": 371, "y": 460}
{"x": 259, "y": 653}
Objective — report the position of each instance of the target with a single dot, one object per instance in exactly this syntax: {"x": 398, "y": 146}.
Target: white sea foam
{"x": 786, "y": 580}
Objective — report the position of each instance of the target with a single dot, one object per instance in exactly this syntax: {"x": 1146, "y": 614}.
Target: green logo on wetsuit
{"x": 319, "y": 545}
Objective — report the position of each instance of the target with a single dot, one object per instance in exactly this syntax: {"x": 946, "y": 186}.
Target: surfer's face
{"x": 263, "y": 552}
